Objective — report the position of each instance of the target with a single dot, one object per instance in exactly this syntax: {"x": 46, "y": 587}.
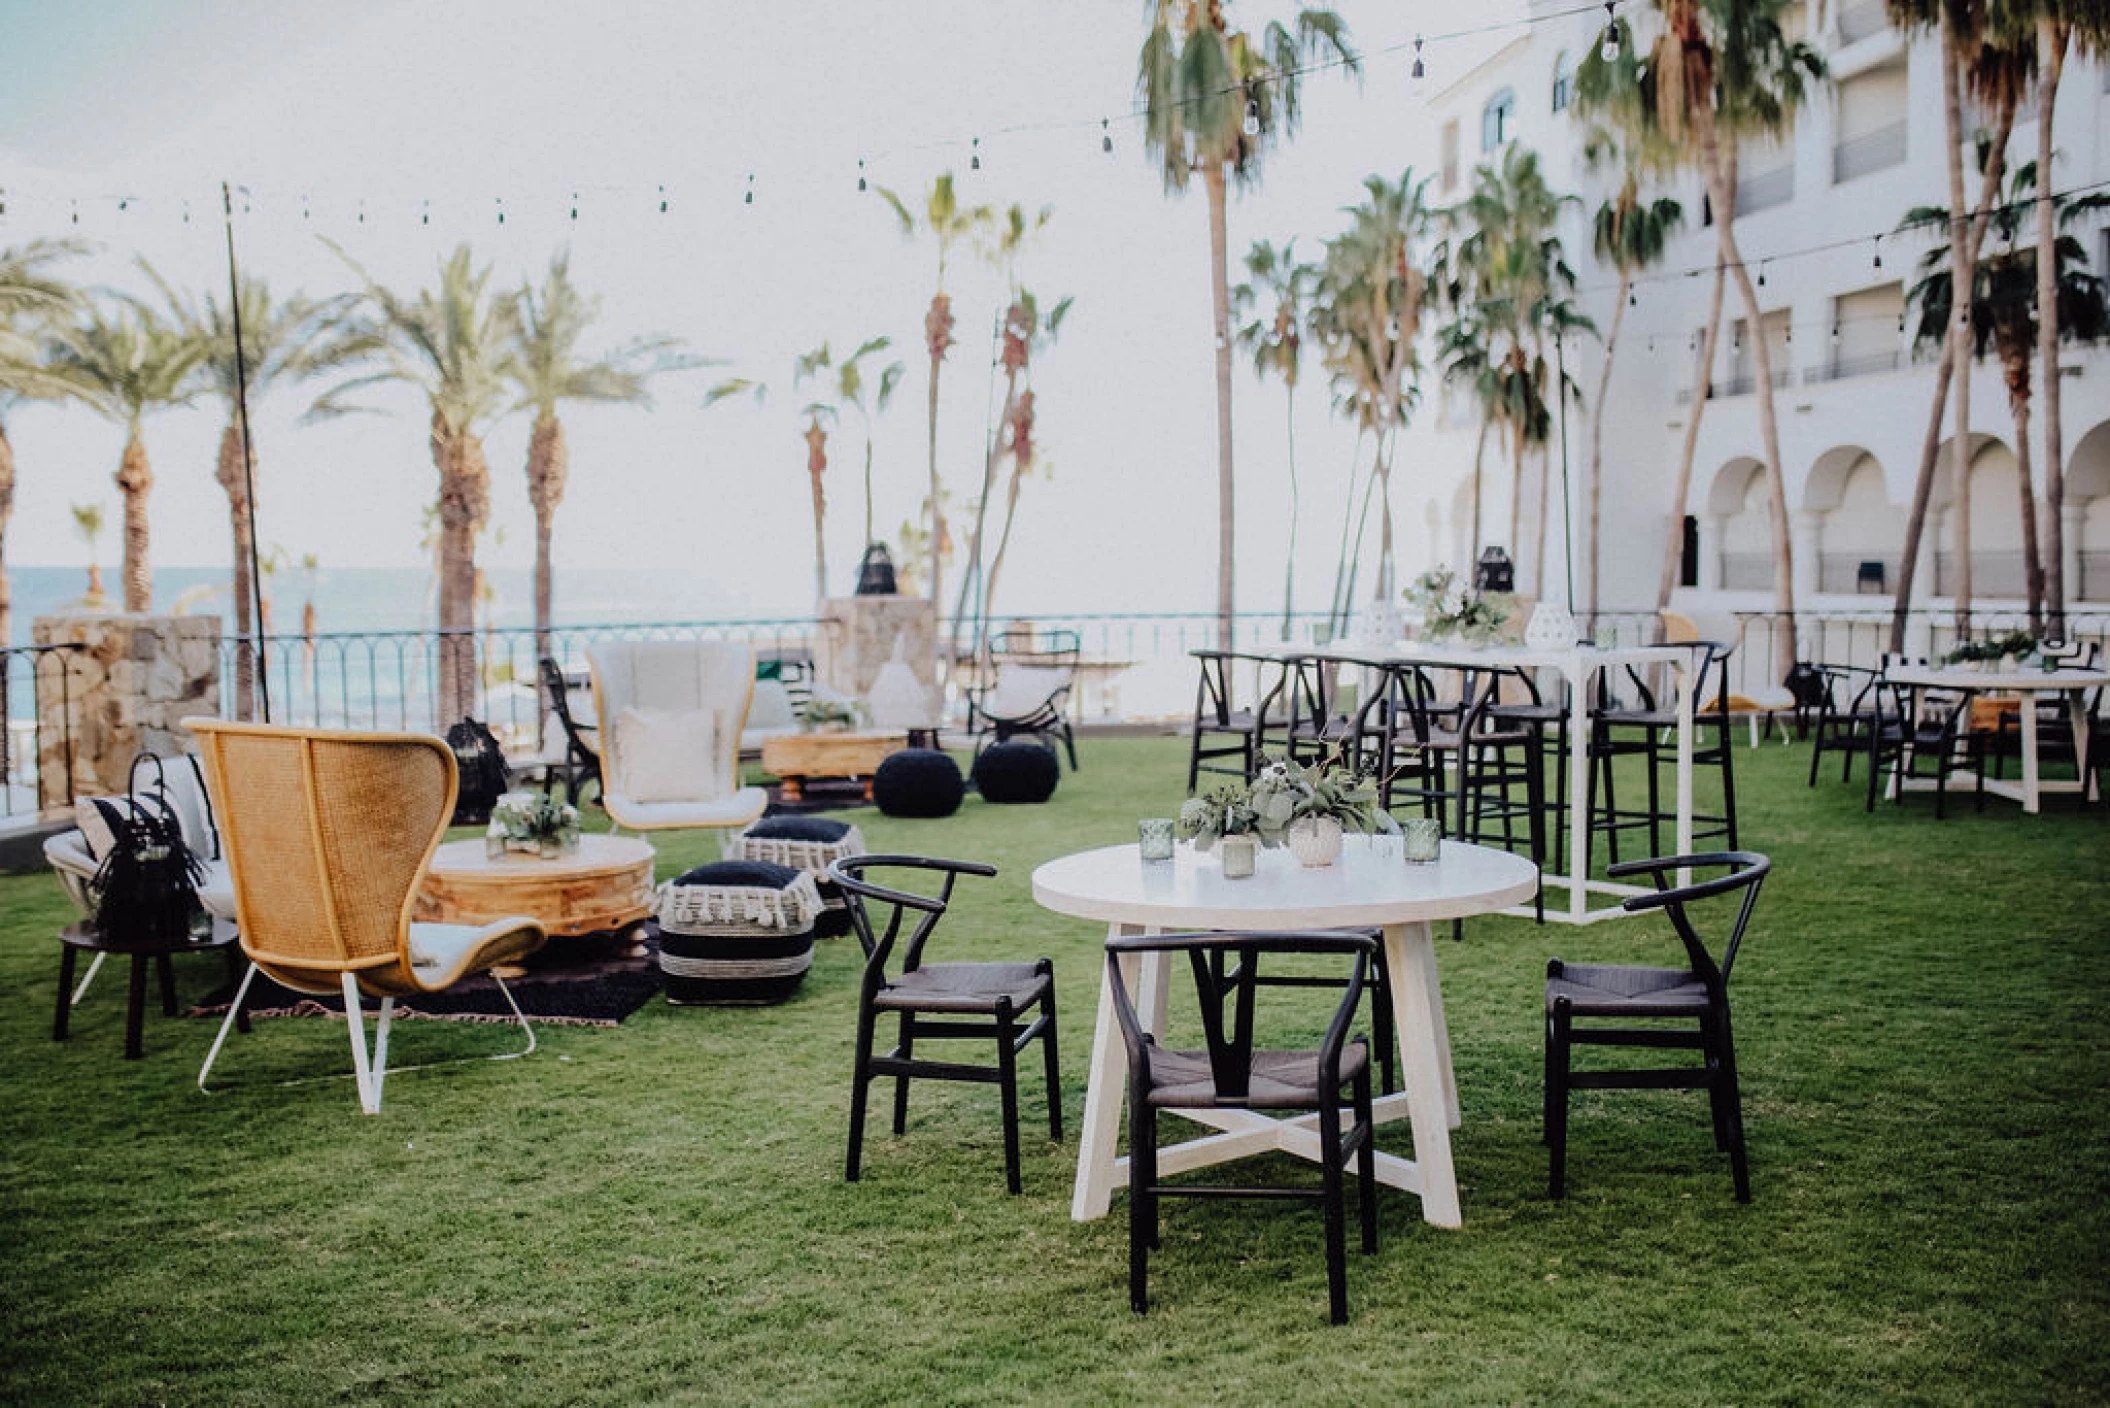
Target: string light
{"x": 425, "y": 211}
{"x": 501, "y": 202}
{"x": 974, "y": 160}
{"x": 574, "y": 205}
{"x": 1879, "y": 251}
{"x": 1631, "y": 300}
{"x": 303, "y": 205}
{"x": 1762, "y": 272}
{"x": 750, "y": 200}
{"x": 1106, "y": 135}
{"x": 860, "y": 173}
{"x": 1252, "y": 117}
{"x": 663, "y": 200}
{"x": 1419, "y": 73}
{"x": 1609, "y": 49}
{"x": 362, "y": 214}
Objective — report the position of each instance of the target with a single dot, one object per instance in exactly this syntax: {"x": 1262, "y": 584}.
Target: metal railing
{"x": 1871, "y": 151}
{"x": 1993, "y": 574}
{"x": 35, "y": 688}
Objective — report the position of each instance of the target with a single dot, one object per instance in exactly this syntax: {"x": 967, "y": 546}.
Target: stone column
{"x": 857, "y": 637}
{"x": 2073, "y": 522}
{"x": 126, "y": 689}
{"x": 1806, "y": 532}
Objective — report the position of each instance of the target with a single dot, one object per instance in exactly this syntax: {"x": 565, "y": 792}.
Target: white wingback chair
{"x": 671, "y": 713}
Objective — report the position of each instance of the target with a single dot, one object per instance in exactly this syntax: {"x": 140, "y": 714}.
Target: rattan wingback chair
{"x": 328, "y": 834}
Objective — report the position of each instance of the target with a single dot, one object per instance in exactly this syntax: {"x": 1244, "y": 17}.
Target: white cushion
{"x": 1022, "y": 690}
{"x": 668, "y": 755}
{"x": 731, "y": 809}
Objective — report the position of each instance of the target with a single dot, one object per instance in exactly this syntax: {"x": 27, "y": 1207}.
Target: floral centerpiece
{"x": 2017, "y": 645}
{"x": 1304, "y": 808}
{"x": 831, "y": 714}
{"x": 1450, "y": 608}
{"x": 532, "y": 822}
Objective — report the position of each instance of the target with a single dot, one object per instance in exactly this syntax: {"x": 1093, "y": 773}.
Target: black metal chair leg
{"x": 1331, "y": 1199}
{"x": 1007, "y": 1066}
{"x": 905, "y": 1050}
{"x": 1557, "y": 1100}
{"x": 1053, "y": 1066}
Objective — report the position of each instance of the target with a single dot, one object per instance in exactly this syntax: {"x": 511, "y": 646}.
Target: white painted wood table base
{"x": 1370, "y": 887}
{"x": 2074, "y": 684}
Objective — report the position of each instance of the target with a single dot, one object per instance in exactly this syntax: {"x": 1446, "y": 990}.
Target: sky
{"x": 400, "y": 129}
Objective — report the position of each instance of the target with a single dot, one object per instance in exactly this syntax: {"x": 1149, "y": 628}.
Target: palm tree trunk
{"x": 1339, "y": 598}
{"x": 965, "y": 611}
{"x": 2032, "y": 564}
{"x": 1702, "y": 391}
{"x": 1922, "y": 496}
{"x": 548, "y": 467}
{"x": 7, "y": 601}
{"x": 234, "y": 479}
{"x": 1003, "y": 539}
{"x": 1596, "y": 485}
{"x": 1479, "y": 467}
{"x": 1214, "y": 177}
{"x": 937, "y": 328}
{"x": 1289, "y": 565}
{"x": 1516, "y": 499}
{"x": 135, "y": 479}
{"x": 1721, "y": 188}
{"x": 465, "y": 502}
{"x": 868, "y": 486}
{"x": 2051, "y": 61}
{"x": 1961, "y": 253}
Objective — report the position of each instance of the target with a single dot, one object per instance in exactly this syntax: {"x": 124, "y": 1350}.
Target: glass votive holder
{"x": 1154, "y": 838}
{"x": 1421, "y": 839}
{"x": 1607, "y": 637}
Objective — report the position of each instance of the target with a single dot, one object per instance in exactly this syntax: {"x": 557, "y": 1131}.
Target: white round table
{"x": 1369, "y": 887}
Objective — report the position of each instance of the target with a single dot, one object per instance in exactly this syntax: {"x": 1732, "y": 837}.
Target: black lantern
{"x": 875, "y": 574}
{"x": 1496, "y": 572}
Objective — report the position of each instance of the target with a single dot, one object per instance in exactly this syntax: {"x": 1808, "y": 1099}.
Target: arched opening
{"x": 2088, "y": 518}
{"x": 1863, "y": 531}
{"x": 1737, "y": 511}
{"x": 1996, "y": 524}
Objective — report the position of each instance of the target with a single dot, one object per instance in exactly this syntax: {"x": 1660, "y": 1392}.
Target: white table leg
{"x": 1417, "y": 1011}
{"x": 1105, "y": 1086}
{"x": 1688, "y": 684}
{"x": 2077, "y": 712}
{"x": 1578, "y": 764}
{"x": 2032, "y": 799}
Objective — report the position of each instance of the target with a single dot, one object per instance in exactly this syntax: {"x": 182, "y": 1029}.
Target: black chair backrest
{"x": 558, "y": 691}
{"x": 1217, "y": 697}
{"x": 1226, "y": 970}
{"x": 1744, "y": 871}
{"x": 878, "y": 933}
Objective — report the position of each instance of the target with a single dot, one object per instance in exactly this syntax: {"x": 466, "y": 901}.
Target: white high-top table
{"x": 1369, "y": 886}
{"x": 2074, "y": 684}
{"x": 1579, "y": 666}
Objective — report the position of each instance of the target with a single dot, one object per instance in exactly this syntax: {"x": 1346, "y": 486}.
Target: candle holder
{"x": 1154, "y": 838}
{"x": 1421, "y": 840}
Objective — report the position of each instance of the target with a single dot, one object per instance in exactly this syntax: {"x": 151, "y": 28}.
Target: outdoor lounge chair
{"x": 1030, "y": 693}
{"x": 670, "y": 713}
{"x": 328, "y": 835}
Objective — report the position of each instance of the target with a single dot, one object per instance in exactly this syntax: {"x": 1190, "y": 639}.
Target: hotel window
{"x": 1497, "y": 118}
{"x": 1563, "y": 80}
{"x": 1871, "y": 127}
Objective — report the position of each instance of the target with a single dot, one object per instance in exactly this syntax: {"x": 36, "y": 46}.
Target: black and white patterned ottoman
{"x": 736, "y": 932}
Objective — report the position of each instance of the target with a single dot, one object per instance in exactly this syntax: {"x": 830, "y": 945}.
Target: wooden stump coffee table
{"x": 797, "y": 758}
{"x": 605, "y": 885}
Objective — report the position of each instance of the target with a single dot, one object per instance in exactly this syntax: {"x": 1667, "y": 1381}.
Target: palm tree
{"x": 2004, "y": 320}
{"x": 1214, "y": 99}
{"x": 30, "y": 299}
{"x": 1275, "y": 338}
{"x": 88, "y": 522}
{"x": 124, "y": 364}
{"x": 1367, "y": 315}
{"x": 1507, "y": 264}
{"x": 1029, "y": 332}
{"x": 549, "y": 369}
{"x": 284, "y": 341}
{"x": 456, "y": 343}
{"x": 947, "y": 223}
{"x": 1629, "y": 234}
{"x": 1720, "y": 72}
{"x": 2059, "y": 25}
{"x": 1997, "y": 76}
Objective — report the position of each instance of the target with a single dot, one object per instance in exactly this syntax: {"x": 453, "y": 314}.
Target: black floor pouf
{"x": 918, "y": 782}
{"x": 1017, "y": 772}
{"x": 736, "y": 931}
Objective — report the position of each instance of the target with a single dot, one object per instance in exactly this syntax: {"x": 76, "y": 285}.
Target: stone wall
{"x": 858, "y": 634}
{"x": 126, "y": 690}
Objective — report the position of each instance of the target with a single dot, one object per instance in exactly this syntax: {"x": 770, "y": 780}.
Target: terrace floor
{"x": 656, "y": 1212}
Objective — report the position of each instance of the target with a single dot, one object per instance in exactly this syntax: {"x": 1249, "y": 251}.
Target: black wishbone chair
{"x": 1009, "y": 1005}
{"x": 1232, "y": 1072}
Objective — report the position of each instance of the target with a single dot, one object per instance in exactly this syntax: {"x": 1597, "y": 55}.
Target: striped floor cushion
{"x": 736, "y": 931}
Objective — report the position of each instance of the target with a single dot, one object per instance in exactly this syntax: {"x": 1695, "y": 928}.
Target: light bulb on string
{"x": 76, "y": 211}
{"x": 663, "y": 200}
{"x": 1106, "y": 135}
{"x": 1609, "y": 49}
{"x": 1252, "y": 117}
{"x": 1761, "y": 273}
{"x": 1879, "y": 251}
{"x": 362, "y": 214}
{"x": 860, "y": 173}
{"x": 750, "y": 198}
{"x": 574, "y": 205}
{"x": 425, "y": 211}
{"x": 303, "y": 205}
{"x": 1632, "y": 300}
{"x": 1419, "y": 73}
{"x": 122, "y": 205}
{"x": 974, "y": 159}
{"x": 500, "y": 201}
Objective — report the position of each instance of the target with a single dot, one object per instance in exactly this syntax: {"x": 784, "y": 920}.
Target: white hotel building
{"x": 1852, "y": 397}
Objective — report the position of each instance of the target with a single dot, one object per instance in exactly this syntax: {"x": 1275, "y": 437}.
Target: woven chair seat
{"x": 1611, "y": 990}
{"x": 1280, "y": 1080}
{"x": 962, "y": 987}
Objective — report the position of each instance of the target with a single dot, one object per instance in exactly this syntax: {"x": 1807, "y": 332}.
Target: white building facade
{"x": 1852, "y": 396}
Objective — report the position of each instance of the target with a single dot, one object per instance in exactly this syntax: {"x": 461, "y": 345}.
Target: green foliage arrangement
{"x": 1283, "y": 792}
{"x": 2020, "y": 644}
{"x": 825, "y": 713}
{"x": 1449, "y": 608}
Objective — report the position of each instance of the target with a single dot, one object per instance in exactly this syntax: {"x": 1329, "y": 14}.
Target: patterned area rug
{"x": 594, "y": 981}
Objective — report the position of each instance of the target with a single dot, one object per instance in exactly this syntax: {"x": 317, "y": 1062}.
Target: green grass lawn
{"x": 656, "y": 1212}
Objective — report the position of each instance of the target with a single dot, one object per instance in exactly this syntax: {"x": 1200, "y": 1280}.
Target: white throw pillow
{"x": 1022, "y": 690}
{"x": 668, "y": 755}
